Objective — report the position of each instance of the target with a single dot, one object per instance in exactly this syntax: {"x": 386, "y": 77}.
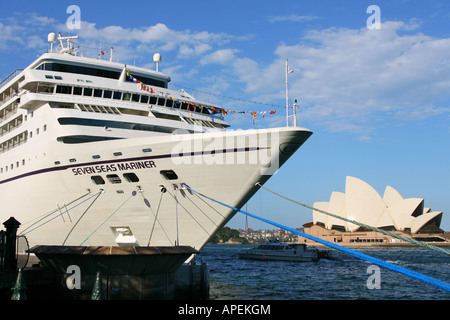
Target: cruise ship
{"x": 98, "y": 153}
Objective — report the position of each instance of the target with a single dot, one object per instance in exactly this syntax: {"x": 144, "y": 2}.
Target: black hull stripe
{"x": 163, "y": 156}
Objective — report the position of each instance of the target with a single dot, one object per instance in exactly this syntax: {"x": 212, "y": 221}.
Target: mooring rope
{"x": 410, "y": 273}
{"x": 156, "y": 219}
{"x": 52, "y": 212}
{"x": 79, "y": 219}
{"x": 132, "y": 195}
{"x": 193, "y": 218}
{"x": 414, "y": 241}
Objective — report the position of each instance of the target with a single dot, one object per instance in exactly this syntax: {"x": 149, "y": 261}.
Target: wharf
{"x": 112, "y": 273}
{"x": 98, "y": 272}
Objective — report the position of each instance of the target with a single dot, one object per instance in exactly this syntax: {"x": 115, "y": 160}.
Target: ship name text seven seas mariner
{"x": 133, "y": 165}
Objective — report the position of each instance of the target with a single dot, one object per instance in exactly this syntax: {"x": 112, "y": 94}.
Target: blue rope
{"x": 410, "y": 273}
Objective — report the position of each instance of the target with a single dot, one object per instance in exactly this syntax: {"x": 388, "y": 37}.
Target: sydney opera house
{"x": 363, "y": 204}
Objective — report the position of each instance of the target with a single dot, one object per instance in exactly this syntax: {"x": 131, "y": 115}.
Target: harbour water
{"x": 347, "y": 278}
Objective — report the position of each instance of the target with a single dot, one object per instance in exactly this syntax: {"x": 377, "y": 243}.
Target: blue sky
{"x": 377, "y": 100}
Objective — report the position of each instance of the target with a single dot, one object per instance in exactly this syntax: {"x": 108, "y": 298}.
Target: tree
{"x": 223, "y": 235}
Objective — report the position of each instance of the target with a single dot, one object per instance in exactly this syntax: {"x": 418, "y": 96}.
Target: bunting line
{"x": 211, "y": 110}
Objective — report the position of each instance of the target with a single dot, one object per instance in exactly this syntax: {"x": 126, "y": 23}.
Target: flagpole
{"x": 287, "y": 96}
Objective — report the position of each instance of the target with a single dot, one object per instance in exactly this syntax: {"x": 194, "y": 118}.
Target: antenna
{"x": 157, "y": 60}
{"x": 289, "y": 70}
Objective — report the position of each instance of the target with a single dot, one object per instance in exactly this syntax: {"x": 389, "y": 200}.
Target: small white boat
{"x": 279, "y": 251}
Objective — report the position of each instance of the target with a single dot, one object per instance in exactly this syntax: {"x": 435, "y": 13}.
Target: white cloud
{"x": 20, "y": 30}
{"x": 222, "y": 56}
{"x": 355, "y": 79}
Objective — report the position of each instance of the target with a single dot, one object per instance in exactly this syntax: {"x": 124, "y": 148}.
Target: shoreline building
{"x": 360, "y": 202}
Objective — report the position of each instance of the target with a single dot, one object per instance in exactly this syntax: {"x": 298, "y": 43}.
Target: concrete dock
{"x": 110, "y": 273}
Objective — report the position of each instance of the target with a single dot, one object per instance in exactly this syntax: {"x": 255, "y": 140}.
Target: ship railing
{"x": 8, "y": 78}
{"x": 6, "y": 113}
{"x": 14, "y": 142}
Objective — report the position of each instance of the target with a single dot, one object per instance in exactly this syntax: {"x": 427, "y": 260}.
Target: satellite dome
{"x": 157, "y": 57}
{"x": 51, "y": 37}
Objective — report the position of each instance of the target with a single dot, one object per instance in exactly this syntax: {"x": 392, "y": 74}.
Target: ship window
{"x": 64, "y": 89}
{"x": 117, "y": 153}
{"x": 148, "y": 81}
{"x": 131, "y": 177}
{"x": 114, "y": 124}
{"x": 169, "y": 103}
{"x": 57, "y": 163}
{"x": 177, "y": 104}
{"x": 45, "y": 88}
{"x": 98, "y": 93}
{"x": 161, "y": 101}
{"x": 126, "y": 96}
{"x": 147, "y": 150}
{"x": 114, "y": 178}
{"x": 51, "y": 66}
{"x": 144, "y": 99}
{"x": 153, "y": 100}
{"x": 58, "y": 77}
{"x": 97, "y": 180}
{"x": 73, "y": 160}
{"x": 107, "y": 94}
{"x": 96, "y": 156}
{"x": 77, "y": 91}
{"x": 135, "y": 97}
{"x": 169, "y": 174}
{"x": 87, "y": 92}
{"x": 117, "y": 95}
{"x": 48, "y": 76}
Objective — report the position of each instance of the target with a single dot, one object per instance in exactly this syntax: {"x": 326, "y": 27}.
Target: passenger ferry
{"x": 280, "y": 251}
{"x": 96, "y": 152}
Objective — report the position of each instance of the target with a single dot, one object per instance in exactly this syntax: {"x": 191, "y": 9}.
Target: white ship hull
{"x": 150, "y": 217}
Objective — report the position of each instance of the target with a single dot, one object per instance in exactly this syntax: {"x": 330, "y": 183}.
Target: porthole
{"x": 97, "y": 180}
{"x": 131, "y": 177}
{"x": 114, "y": 178}
{"x": 169, "y": 174}
{"x": 147, "y": 150}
